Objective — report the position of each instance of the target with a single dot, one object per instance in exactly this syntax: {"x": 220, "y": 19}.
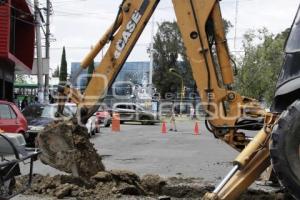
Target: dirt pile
{"x": 101, "y": 186}
{"x": 66, "y": 147}
{"x": 118, "y": 184}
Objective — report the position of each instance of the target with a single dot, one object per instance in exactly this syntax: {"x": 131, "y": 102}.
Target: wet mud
{"x": 118, "y": 184}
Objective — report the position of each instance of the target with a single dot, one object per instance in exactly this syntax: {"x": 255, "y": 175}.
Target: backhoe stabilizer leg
{"x": 233, "y": 187}
{"x": 248, "y": 166}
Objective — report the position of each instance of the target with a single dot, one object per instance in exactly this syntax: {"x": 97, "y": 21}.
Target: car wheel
{"x": 107, "y": 125}
{"x": 145, "y": 120}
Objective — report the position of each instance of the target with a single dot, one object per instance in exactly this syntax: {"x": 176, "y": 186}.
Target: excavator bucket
{"x": 65, "y": 146}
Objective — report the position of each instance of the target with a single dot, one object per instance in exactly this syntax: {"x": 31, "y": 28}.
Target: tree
{"x": 56, "y": 72}
{"x": 259, "y": 68}
{"x": 90, "y": 72}
{"x": 63, "y": 75}
{"x": 20, "y": 78}
{"x": 168, "y": 48}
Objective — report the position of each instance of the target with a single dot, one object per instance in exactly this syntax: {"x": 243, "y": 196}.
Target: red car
{"x": 11, "y": 118}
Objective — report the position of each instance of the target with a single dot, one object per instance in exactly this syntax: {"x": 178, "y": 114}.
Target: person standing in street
{"x": 173, "y": 119}
{"x": 192, "y": 112}
{"x": 24, "y": 103}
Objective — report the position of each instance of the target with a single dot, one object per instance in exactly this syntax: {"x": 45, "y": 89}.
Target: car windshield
{"x": 47, "y": 111}
{"x": 50, "y": 110}
{"x": 293, "y": 43}
{"x": 139, "y": 108}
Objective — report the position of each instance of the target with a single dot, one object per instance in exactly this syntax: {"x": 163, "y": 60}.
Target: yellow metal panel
{"x": 136, "y": 14}
{"x": 192, "y": 16}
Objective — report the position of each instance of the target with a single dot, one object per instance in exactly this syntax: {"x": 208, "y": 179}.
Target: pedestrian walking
{"x": 173, "y": 119}
{"x": 24, "y": 103}
{"x": 192, "y": 112}
{"x": 36, "y": 100}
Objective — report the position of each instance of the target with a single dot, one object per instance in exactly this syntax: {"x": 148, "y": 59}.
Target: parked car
{"x": 11, "y": 118}
{"x": 132, "y": 112}
{"x": 40, "y": 115}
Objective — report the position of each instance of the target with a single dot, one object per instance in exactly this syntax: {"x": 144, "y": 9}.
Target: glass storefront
{"x": 135, "y": 72}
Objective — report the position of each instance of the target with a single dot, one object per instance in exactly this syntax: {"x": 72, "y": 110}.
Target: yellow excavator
{"x": 229, "y": 115}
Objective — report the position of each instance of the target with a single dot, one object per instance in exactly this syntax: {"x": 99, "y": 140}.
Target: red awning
{"x": 17, "y": 34}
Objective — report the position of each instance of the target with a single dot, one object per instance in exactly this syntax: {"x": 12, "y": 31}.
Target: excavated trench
{"x": 118, "y": 184}
{"x": 65, "y": 145}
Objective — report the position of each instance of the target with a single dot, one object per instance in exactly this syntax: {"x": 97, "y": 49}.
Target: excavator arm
{"x": 122, "y": 36}
{"x": 202, "y": 30}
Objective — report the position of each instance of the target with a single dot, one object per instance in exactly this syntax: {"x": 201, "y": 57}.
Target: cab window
{"x": 293, "y": 43}
{"x": 121, "y": 106}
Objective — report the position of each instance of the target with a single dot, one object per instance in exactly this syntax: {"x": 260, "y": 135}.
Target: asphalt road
{"x": 145, "y": 150}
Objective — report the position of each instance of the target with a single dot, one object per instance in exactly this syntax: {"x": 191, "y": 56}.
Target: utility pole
{"x": 47, "y": 45}
{"x": 151, "y": 56}
{"x": 236, "y": 22}
{"x": 39, "y": 52}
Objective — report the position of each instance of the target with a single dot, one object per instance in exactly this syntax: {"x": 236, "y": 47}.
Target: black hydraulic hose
{"x": 111, "y": 37}
{"x": 237, "y": 126}
{"x": 204, "y": 52}
{"x": 207, "y": 125}
{"x": 235, "y": 66}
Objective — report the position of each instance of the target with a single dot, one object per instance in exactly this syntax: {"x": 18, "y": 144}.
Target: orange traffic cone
{"x": 115, "y": 123}
{"x": 196, "y": 129}
{"x": 164, "y": 128}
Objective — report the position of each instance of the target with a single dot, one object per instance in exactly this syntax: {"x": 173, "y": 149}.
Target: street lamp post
{"x": 175, "y": 73}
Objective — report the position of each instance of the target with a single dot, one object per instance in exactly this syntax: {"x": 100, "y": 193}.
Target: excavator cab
{"x": 288, "y": 85}
{"x": 285, "y": 141}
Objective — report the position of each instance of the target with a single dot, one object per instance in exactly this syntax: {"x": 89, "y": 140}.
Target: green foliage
{"x": 56, "y": 72}
{"x": 21, "y": 79}
{"x": 259, "y": 68}
{"x": 170, "y": 52}
{"x": 168, "y": 48}
{"x": 63, "y": 75}
{"x": 91, "y": 70}
{"x": 227, "y": 26}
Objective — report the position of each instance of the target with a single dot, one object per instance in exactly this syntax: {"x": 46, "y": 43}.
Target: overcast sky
{"x": 78, "y": 24}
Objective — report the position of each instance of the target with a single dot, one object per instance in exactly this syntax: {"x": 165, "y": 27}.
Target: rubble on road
{"x": 118, "y": 184}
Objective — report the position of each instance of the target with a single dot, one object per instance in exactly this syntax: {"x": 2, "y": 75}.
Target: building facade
{"x": 135, "y": 72}
{"x": 16, "y": 43}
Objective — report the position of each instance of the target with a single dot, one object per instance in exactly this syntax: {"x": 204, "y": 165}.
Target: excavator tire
{"x": 285, "y": 149}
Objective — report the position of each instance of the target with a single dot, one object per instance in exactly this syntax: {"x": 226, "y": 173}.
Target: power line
{"x": 236, "y": 21}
